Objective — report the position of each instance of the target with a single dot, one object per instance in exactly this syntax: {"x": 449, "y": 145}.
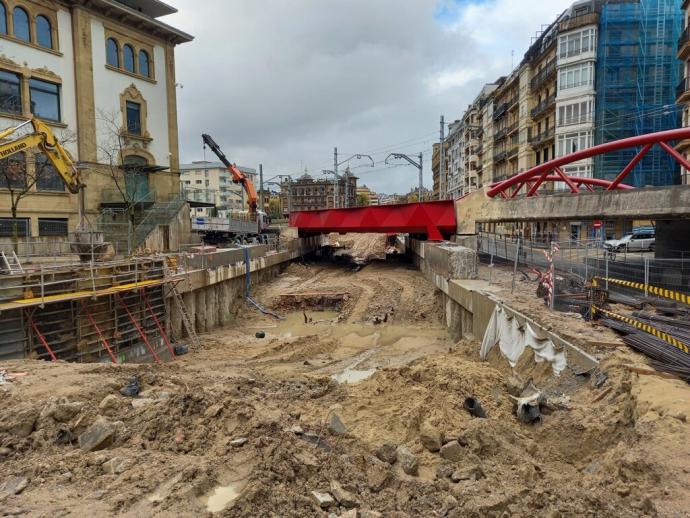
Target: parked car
{"x": 632, "y": 242}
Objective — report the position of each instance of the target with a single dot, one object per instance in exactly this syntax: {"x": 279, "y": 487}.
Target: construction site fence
{"x": 585, "y": 260}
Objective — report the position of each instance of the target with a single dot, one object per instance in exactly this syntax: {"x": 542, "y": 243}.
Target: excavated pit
{"x": 252, "y": 426}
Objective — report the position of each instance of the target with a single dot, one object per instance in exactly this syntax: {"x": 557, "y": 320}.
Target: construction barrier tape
{"x": 646, "y": 328}
{"x": 661, "y": 292}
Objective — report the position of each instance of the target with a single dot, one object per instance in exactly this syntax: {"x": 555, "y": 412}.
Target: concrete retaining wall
{"x": 469, "y": 303}
{"x": 212, "y": 295}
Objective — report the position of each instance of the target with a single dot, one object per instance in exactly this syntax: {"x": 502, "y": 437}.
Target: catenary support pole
{"x": 420, "y": 196}
{"x": 335, "y": 177}
{"x": 261, "y": 188}
{"x": 441, "y": 176}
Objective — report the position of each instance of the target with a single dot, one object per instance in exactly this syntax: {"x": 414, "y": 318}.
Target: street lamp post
{"x": 418, "y": 165}
{"x": 358, "y": 156}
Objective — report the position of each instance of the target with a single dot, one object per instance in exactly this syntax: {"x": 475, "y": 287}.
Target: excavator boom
{"x": 42, "y": 138}
{"x": 237, "y": 175}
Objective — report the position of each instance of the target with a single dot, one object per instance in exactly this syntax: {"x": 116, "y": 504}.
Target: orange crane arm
{"x": 237, "y": 175}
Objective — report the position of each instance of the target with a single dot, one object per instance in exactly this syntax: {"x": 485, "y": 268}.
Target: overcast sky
{"x": 281, "y": 82}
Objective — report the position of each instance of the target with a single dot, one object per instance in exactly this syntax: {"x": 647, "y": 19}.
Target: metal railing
{"x": 542, "y": 137}
{"x": 586, "y": 259}
{"x": 684, "y": 38}
{"x": 578, "y": 21}
{"x": 543, "y": 106}
{"x": 543, "y": 75}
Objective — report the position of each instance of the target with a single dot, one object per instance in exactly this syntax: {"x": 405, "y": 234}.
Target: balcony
{"x": 683, "y": 91}
{"x": 500, "y": 111}
{"x": 684, "y": 44}
{"x": 578, "y": 21}
{"x": 541, "y": 138}
{"x": 513, "y": 101}
{"x": 512, "y": 152}
{"x": 500, "y": 134}
{"x": 512, "y": 128}
{"x": 544, "y": 106}
{"x": 500, "y": 156}
{"x": 544, "y": 75}
{"x": 477, "y": 150}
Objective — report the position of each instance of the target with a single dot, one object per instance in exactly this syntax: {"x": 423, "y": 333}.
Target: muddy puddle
{"x": 358, "y": 349}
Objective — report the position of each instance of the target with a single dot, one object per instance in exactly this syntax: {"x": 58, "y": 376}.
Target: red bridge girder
{"x": 552, "y": 171}
{"x": 436, "y": 219}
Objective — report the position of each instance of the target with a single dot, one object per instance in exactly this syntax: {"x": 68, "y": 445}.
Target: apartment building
{"x": 307, "y": 193}
{"x": 102, "y": 75}
{"x": 436, "y": 168}
{"x": 209, "y": 186}
{"x": 364, "y": 193}
{"x": 541, "y": 60}
{"x": 601, "y": 71}
{"x": 683, "y": 88}
{"x": 456, "y": 174}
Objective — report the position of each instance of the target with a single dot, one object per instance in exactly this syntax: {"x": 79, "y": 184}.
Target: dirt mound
{"x": 253, "y": 427}
{"x": 361, "y": 248}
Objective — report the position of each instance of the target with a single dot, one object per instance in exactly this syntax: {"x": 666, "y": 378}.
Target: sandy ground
{"x": 253, "y": 426}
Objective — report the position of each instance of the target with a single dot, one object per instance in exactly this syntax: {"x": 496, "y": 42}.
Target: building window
{"x": 13, "y": 172}
{"x": 144, "y": 68}
{"x": 3, "y": 19}
{"x": 44, "y": 33}
{"x": 198, "y": 182}
{"x": 45, "y": 99}
{"x": 10, "y": 227}
{"x": 128, "y": 57}
{"x": 133, "y": 118}
{"x": 112, "y": 54}
{"x": 47, "y": 178}
{"x": 577, "y": 43}
{"x": 10, "y": 93}
{"x": 572, "y": 142}
{"x": 575, "y": 113}
{"x": 21, "y": 24}
{"x": 575, "y": 76}
{"x": 52, "y": 227}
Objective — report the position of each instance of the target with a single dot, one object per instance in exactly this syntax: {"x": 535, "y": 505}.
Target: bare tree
{"x": 123, "y": 174}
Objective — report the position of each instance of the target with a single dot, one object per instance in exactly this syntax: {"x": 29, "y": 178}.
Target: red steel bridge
{"x": 436, "y": 219}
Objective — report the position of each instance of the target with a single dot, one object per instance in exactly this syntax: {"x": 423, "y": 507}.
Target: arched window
{"x": 44, "y": 34}
{"x": 112, "y": 55}
{"x": 21, "y": 24}
{"x": 144, "y": 68}
{"x": 3, "y": 19}
{"x": 128, "y": 57}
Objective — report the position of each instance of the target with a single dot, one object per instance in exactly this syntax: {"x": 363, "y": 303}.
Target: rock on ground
{"x": 387, "y": 452}
{"x": 407, "y": 460}
{"x": 431, "y": 437}
{"x": 452, "y": 451}
{"x": 344, "y": 497}
{"x": 100, "y": 435}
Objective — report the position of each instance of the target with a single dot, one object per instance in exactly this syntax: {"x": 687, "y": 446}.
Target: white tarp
{"x": 513, "y": 337}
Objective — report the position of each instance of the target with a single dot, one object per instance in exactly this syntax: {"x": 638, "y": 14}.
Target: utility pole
{"x": 346, "y": 190}
{"x": 412, "y": 162}
{"x": 441, "y": 176}
{"x": 261, "y": 188}
{"x": 420, "y": 196}
{"x": 346, "y": 177}
{"x": 335, "y": 178}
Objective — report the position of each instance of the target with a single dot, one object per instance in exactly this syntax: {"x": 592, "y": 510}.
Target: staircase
{"x": 126, "y": 236}
{"x": 9, "y": 263}
{"x": 159, "y": 214}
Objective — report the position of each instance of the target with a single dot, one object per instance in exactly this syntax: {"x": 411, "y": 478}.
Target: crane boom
{"x": 42, "y": 137}
{"x": 237, "y": 175}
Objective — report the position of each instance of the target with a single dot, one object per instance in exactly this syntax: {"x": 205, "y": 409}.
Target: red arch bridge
{"x": 436, "y": 219}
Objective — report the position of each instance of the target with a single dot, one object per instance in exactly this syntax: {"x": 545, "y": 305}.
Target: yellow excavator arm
{"x": 42, "y": 137}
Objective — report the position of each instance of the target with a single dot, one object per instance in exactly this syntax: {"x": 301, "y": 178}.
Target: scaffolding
{"x": 636, "y": 75}
{"x": 93, "y": 312}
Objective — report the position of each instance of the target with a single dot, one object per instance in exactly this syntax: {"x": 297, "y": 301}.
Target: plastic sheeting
{"x": 513, "y": 337}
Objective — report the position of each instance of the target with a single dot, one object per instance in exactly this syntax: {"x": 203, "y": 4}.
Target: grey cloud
{"x": 283, "y": 81}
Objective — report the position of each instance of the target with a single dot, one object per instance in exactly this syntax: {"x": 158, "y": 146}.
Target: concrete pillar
{"x": 672, "y": 239}
{"x": 224, "y": 294}
{"x": 211, "y": 308}
{"x": 200, "y": 310}
{"x": 189, "y": 300}
{"x": 453, "y": 317}
{"x": 175, "y": 318}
